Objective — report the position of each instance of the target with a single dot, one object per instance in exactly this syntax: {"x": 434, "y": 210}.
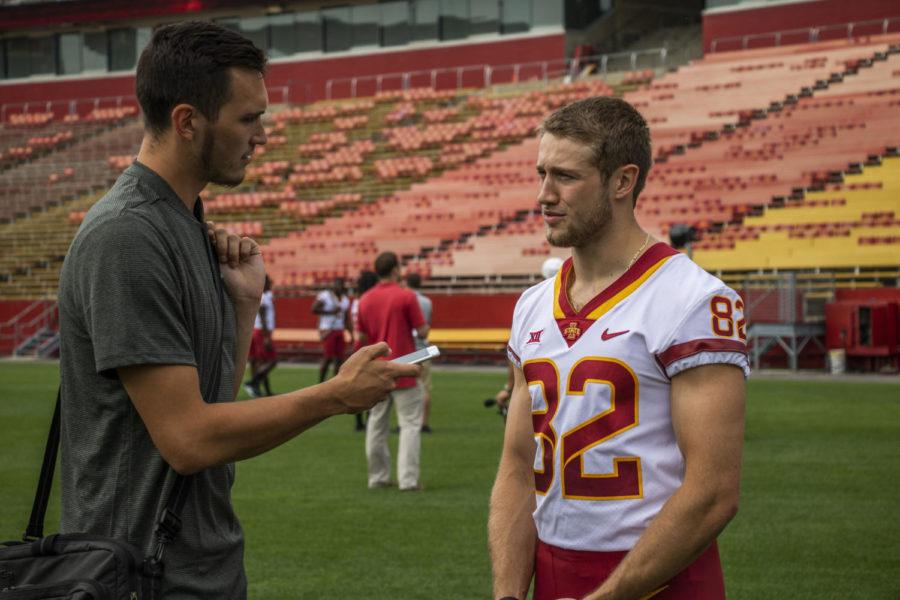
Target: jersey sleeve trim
{"x": 738, "y": 359}
{"x": 681, "y": 351}
{"x": 513, "y": 357}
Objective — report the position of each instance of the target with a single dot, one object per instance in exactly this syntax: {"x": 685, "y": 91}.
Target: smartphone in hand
{"x": 418, "y": 356}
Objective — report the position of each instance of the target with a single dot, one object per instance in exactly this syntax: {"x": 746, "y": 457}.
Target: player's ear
{"x": 624, "y": 179}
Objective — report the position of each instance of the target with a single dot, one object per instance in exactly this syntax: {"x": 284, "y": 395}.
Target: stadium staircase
{"x": 43, "y": 344}
{"x": 29, "y": 328}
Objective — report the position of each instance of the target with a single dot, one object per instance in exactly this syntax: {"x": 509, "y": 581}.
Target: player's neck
{"x": 597, "y": 265}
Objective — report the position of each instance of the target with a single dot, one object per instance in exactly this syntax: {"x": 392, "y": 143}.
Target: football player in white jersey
{"x": 621, "y": 461}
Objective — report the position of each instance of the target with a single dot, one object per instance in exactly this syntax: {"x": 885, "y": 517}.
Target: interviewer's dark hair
{"x": 614, "y": 130}
{"x": 189, "y": 63}
{"x": 385, "y": 263}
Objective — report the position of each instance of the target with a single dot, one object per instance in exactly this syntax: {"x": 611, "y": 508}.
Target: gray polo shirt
{"x": 141, "y": 286}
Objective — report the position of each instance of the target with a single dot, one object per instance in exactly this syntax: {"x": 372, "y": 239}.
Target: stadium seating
{"x": 321, "y": 161}
{"x": 717, "y": 179}
{"x": 725, "y": 87}
{"x": 416, "y": 142}
{"x": 62, "y": 159}
{"x": 856, "y": 222}
{"x": 784, "y": 143}
{"x": 32, "y": 249}
{"x": 742, "y": 140}
{"x": 516, "y": 248}
{"x": 806, "y": 146}
{"x": 427, "y": 215}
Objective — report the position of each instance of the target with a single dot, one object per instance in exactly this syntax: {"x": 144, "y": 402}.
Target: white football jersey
{"x": 268, "y": 301}
{"x": 606, "y": 455}
{"x": 330, "y": 301}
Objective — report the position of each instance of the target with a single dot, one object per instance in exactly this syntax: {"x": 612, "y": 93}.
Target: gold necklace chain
{"x": 638, "y": 253}
{"x": 571, "y": 279}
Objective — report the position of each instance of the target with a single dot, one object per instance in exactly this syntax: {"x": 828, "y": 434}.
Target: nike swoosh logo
{"x": 606, "y": 335}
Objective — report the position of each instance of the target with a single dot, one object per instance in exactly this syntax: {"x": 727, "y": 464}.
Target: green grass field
{"x": 818, "y": 519}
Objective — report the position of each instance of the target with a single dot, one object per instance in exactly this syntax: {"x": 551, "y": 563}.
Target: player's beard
{"x": 580, "y": 232}
{"x": 211, "y": 171}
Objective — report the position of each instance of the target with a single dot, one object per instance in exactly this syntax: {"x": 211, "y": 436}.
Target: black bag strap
{"x": 169, "y": 523}
{"x": 35, "y": 529}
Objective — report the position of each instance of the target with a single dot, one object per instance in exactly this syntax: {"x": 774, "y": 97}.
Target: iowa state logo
{"x": 572, "y": 331}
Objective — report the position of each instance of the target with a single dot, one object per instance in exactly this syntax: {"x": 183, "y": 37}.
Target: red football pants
{"x": 334, "y": 344}
{"x": 561, "y": 573}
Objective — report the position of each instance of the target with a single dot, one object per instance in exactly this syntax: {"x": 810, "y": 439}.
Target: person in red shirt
{"x": 389, "y": 313}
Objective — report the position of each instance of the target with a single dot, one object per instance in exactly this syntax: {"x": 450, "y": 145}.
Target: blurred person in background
{"x": 414, "y": 282}
{"x": 332, "y": 305}
{"x": 390, "y": 313}
{"x": 365, "y": 282}
{"x": 262, "y": 349}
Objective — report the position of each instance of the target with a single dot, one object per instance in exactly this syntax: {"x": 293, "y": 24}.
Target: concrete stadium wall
{"x": 10, "y": 308}
{"x": 470, "y": 311}
{"x": 305, "y": 80}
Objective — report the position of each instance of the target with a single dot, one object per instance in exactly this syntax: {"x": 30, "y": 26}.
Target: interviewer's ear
{"x": 184, "y": 119}
{"x": 624, "y": 179}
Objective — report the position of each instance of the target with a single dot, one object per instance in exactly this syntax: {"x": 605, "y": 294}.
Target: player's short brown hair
{"x": 614, "y": 130}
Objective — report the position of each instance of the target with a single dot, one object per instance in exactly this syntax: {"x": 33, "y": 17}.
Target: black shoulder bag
{"x": 79, "y": 565}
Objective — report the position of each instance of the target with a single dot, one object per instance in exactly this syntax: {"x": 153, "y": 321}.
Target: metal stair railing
{"x": 20, "y": 330}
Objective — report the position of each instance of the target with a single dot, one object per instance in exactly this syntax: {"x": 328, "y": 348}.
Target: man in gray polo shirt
{"x": 156, "y": 314}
